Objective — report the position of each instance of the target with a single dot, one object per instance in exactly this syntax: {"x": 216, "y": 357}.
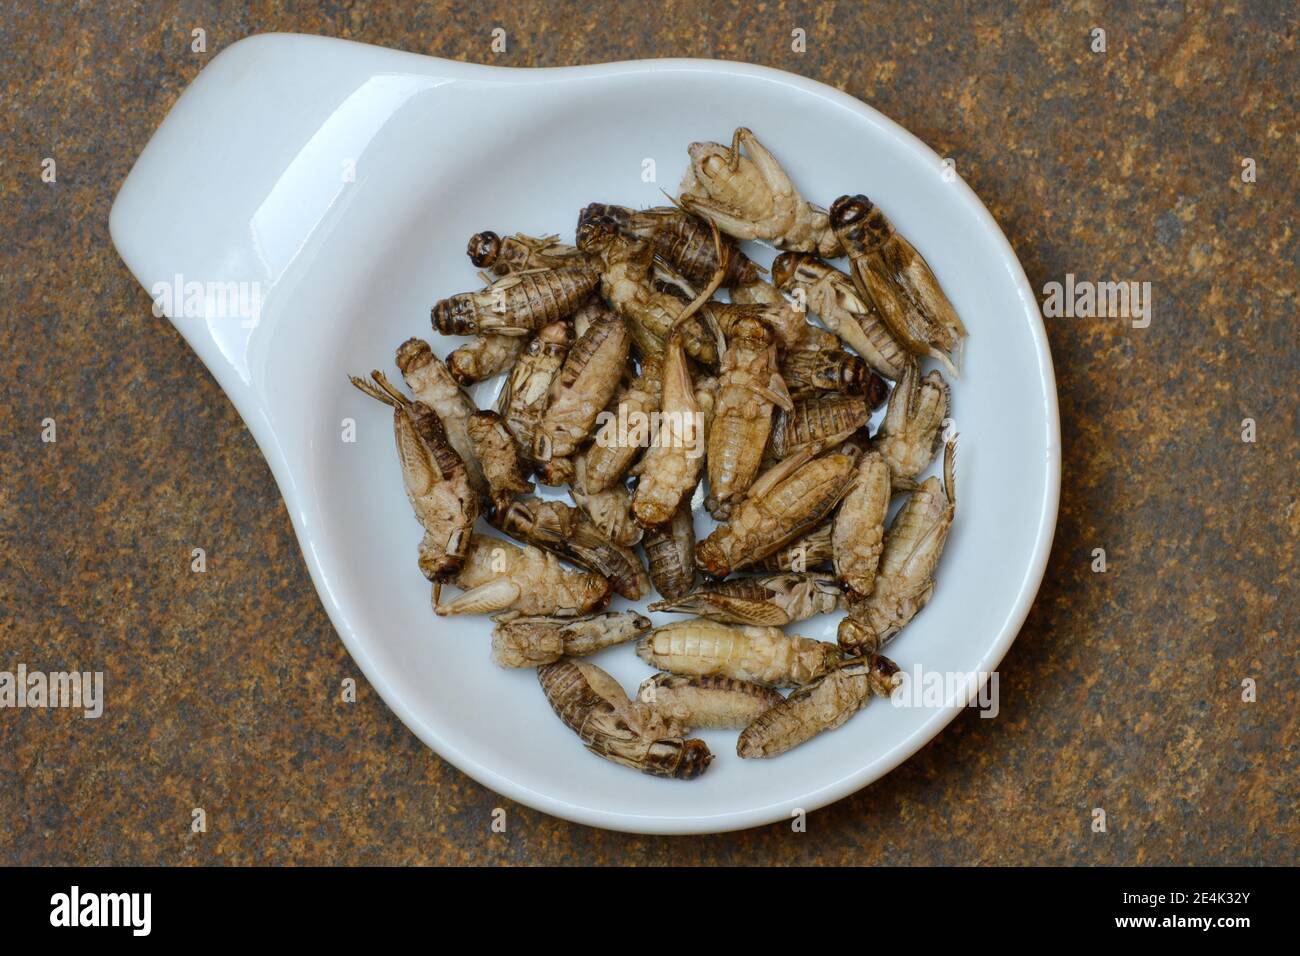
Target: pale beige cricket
{"x": 595, "y": 707}
{"x": 496, "y": 452}
{"x": 764, "y": 655}
{"x": 522, "y": 641}
{"x": 773, "y": 600}
{"x": 910, "y": 433}
{"x": 567, "y": 531}
{"x": 430, "y": 382}
{"x": 905, "y": 579}
{"x": 484, "y": 356}
{"x": 609, "y": 510}
{"x": 830, "y": 295}
{"x": 817, "y": 339}
{"x": 527, "y": 391}
{"x": 895, "y": 278}
{"x": 858, "y": 531}
{"x": 499, "y": 576}
{"x": 707, "y": 703}
{"x": 825, "y": 704}
{"x": 761, "y": 292}
{"x": 749, "y": 386}
{"x": 789, "y": 500}
{"x": 626, "y": 431}
{"x": 670, "y": 467}
{"x": 436, "y": 479}
{"x": 749, "y": 196}
{"x": 590, "y": 376}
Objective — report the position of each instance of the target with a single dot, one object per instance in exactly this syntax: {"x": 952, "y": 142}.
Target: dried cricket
{"x": 817, "y": 423}
{"x": 495, "y": 449}
{"x": 910, "y": 432}
{"x": 431, "y": 383}
{"x": 670, "y": 467}
{"x": 569, "y": 533}
{"x": 895, "y": 278}
{"x": 484, "y": 356}
{"x": 437, "y": 482}
{"x": 610, "y": 510}
{"x": 783, "y": 504}
{"x": 518, "y": 303}
{"x": 520, "y": 253}
{"x": 764, "y": 655}
{"x": 817, "y": 339}
{"x": 731, "y": 387}
{"x": 670, "y": 550}
{"x": 830, "y": 295}
{"x": 627, "y": 430}
{"x": 787, "y": 322}
{"x": 499, "y": 576}
{"x": 707, "y": 703}
{"x": 556, "y": 472}
{"x": 667, "y": 279}
{"x": 527, "y": 391}
{"x": 773, "y": 600}
{"x": 587, "y": 382}
{"x": 589, "y": 313}
{"x": 905, "y": 580}
{"x": 749, "y": 196}
{"x": 758, "y": 292}
{"x": 757, "y": 300}
{"x": 807, "y": 372}
{"x": 807, "y": 553}
{"x": 786, "y": 318}
{"x": 625, "y": 284}
{"x": 595, "y": 707}
{"x": 519, "y": 641}
{"x": 680, "y": 238}
{"x": 859, "y": 529}
{"x": 823, "y": 705}
{"x": 749, "y": 386}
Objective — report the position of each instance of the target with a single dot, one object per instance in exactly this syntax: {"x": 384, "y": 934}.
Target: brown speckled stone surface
{"x": 1124, "y": 688}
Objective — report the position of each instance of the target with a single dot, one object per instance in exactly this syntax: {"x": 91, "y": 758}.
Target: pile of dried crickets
{"x": 621, "y": 365}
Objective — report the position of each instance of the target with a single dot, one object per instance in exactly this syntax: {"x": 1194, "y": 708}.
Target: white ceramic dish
{"x": 247, "y": 180}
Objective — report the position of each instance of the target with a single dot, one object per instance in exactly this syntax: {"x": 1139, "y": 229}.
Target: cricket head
{"x": 484, "y": 249}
